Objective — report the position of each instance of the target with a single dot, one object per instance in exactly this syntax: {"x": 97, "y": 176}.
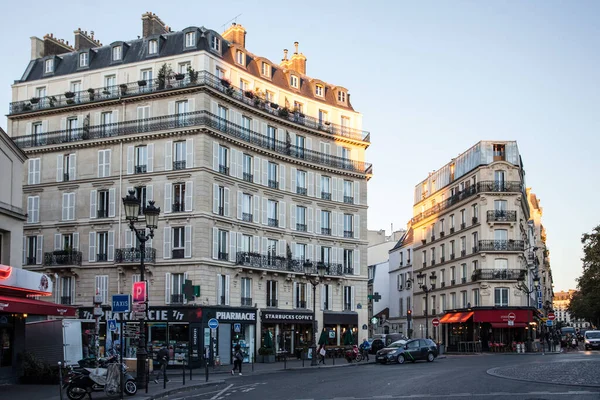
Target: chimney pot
{"x": 285, "y": 53}
{"x": 296, "y": 46}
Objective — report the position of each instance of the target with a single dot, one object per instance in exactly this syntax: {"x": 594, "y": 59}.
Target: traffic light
{"x": 409, "y": 315}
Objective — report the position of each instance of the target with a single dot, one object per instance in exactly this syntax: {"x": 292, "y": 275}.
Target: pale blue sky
{"x": 431, "y": 79}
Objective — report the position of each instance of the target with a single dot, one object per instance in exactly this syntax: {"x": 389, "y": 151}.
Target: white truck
{"x": 55, "y": 340}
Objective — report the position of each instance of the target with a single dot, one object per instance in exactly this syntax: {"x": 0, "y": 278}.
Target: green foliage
{"x": 164, "y": 74}
{"x": 193, "y": 74}
{"x": 585, "y": 303}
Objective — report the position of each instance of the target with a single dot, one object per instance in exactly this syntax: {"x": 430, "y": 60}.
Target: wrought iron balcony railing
{"x": 501, "y": 216}
{"x": 348, "y": 234}
{"x": 301, "y": 227}
{"x": 178, "y": 207}
{"x": 246, "y": 301}
{"x": 141, "y": 169}
{"x": 102, "y": 214}
{"x": 223, "y": 256}
{"x": 194, "y": 119}
{"x": 501, "y": 245}
{"x": 65, "y": 300}
{"x": 273, "y": 184}
{"x": 257, "y": 260}
{"x": 62, "y": 257}
{"x": 178, "y": 253}
{"x": 301, "y": 190}
{"x": 349, "y": 199}
{"x": 247, "y": 217}
{"x": 500, "y": 186}
{"x": 132, "y": 255}
{"x": 326, "y": 231}
{"x": 223, "y": 169}
{"x": 498, "y": 274}
{"x": 248, "y": 177}
{"x": 273, "y": 222}
{"x": 177, "y": 299}
{"x": 300, "y": 303}
{"x": 101, "y": 257}
{"x": 326, "y": 195}
{"x": 179, "y": 164}
{"x": 204, "y": 78}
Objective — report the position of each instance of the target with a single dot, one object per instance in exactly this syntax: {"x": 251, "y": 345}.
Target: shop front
{"x": 237, "y": 326}
{"x": 291, "y": 330}
{"x": 341, "y": 328}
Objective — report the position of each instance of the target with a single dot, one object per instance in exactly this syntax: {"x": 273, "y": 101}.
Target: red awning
{"x": 502, "y": 316}
{"x": 454, "y": 318}
{"x": 505, "y": 325}
{"x": 34, "y": 307}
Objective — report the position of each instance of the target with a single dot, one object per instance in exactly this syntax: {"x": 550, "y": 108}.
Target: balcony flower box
{"x": 225, "y": 83}
{"x": 249, "y": 94}
{"x": 70, "y": 101}
{"x": 69, "y": 95}
{"x": 142, "y": 82}
{"x": 179, "y": 77}
{"x": 274, "y": 106}
{"x": 92, "y": 94}
{"x": 52, "y": 100}
{"x": 283, "y": 112}
{"x": 123, "y": 89}
{"x": 34, "y": 100}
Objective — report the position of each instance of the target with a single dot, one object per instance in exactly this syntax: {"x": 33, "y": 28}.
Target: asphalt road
{"x": 456, "y": 377}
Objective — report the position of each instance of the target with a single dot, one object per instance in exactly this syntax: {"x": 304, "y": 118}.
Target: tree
{"x": 585, "y": 303}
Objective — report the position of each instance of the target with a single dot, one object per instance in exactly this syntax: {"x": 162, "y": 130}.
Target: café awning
{"x": 24, "y": 305}
{"x": 457, "y": 317}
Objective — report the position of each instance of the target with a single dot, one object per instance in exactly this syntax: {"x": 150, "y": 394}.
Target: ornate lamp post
{"x": 522, "y": 286}
{"x": 421, "y": 281}
{"x": 314, "y": 281}
{"x": 132, "y": 211}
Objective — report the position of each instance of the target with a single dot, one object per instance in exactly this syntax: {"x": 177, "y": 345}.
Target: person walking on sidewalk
{"x": 322, "y": 353}
{"x": 238, "y": 357}
{"x": 163, "y": 359}
{"x": 365, "y": 347}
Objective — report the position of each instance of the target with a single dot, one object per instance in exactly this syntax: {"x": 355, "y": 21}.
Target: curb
{"x": 494, "y": 372}
{"x": 183, "y": 389}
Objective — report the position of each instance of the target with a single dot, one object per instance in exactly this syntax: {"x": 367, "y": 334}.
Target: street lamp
{"x": 314, "y": 281}
{"x": 522, "y": 286}
{"x": 421, "y": 281}
{"x": 132, "y": 210}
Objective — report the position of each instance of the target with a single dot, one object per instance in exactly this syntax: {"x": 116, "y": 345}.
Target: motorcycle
{"x": 82, "y": 381}
{"x": 354, "y": 354}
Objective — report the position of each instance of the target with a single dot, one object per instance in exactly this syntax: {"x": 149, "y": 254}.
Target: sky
{"x": 431, "y": 79}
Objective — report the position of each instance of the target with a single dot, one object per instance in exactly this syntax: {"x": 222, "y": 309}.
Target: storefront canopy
{"x": 34, "y": 307}
{"x": 499, "y": 317}
{"x": 455, "y": 318}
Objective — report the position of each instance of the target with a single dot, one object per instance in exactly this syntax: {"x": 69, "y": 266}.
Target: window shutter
{"x": 191, "y": 104}
{"x": 256, "y": 169}
{"x": 215, "y": 156}
{"x": 188, "y": 242}
{"x": 282, "y": 214}
{"x": 334, "y": 191}
{"x": 309, "y": 304}
{"x": 282, "y": 247}
{"x": 130, "y": 157}
{"x": 167, "y": 242}
{"x": 264, "y": 248}
{"x": 226, "y": 201}
{"x": 357, "y": 192}
{"x": 30, "y": 172}
{"x": 239, "y": 242}
{"x": 76, "y": 241}
{"x": 111, "y": 246}
{"x": 311, "y": 184}
{"x": 256, "y": 203}
{"x": 317, "y": 256}
{"x": 334, "y": 225}
{"x": 265, "y": 204}
{"x": 356, "y": 265}
{"x": 128, "y": 239}
{"x": 356, "y": 226}
{"x": 352, "y": 298}
{"x": 309, "y": 228}
{"x": 168, "y": 284}
{"x": 318, "y": 185}
{"x": 111, "y": 202}
{"x": 240, "y": 200}
{"x": 215, "y": 249}
{"x": 292, "y": 216}
{"x": 168, "y": 197}
{"x": 341, "y": 190}
{"x": 72, "y": 166}
{"x": 171, "y": 107}
{"x": 59, "y": 168}
{"x": 340, "y": 224}
{"x": 232, "y": 246}
{"x": 189, "y": 195}
{"x": 265, "y": 172}
{"x": 282, "y": 177}
{"x": 226, "y": 290}
{"x": 71, "y": 211}
{"x": 295, "y": 295}
{"x": 93, "y": 206}
{"x": 310, "y": 252}
{"x": 189, "y": 153}
{"x": 92, "y": 247}
{"x": 318, "y": 221}
{"x": 149, "y": 194}
{"x": 215, "y": 198}
{"x": 219, "y": 290}
{"x": 185, "y": 278}
{"x": 293, "y": 179}
{"x": 233, "y": 162}
{"x": 107, "y": 159}
{"x": 24, "y": 250}
{"x": 150, "y": 162}
{"x": 36, "y": 209}
{"x": 57, "y": 241}
{"x": 334, "y": 255}
{"x": 255, "y": 244}
{"x": 65, "y": 207}
{"x": 322, "y": 297}
{"x": 240, "y": 165}
{"x": 168, "y": 155}
{"x": 330, "y": 302}
{"x": 40, "y": 249}
{"x": 29, "y": 128}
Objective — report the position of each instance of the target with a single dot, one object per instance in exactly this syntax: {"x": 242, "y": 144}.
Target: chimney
{"x": 152, "y": 25}
{"x": 85, "y": 41}
{"x": 236, "y": 34}
{"x": 285, "y": 63}
{"x": 53, "y": 46}
{"x": 298, "y": 61}
{"x": 37, "y": 48}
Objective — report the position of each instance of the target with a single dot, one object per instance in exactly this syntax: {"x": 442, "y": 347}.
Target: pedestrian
{"x": 574, "y": 342}
{"x": 85, "y": 342}
{"x": 238, "y": 357}
{"x": 163, "y": 359}
{"x": 322, "y": 352}
{"x": 365, "y": 347}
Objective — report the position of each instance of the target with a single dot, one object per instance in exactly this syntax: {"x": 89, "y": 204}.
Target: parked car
{"x": 376, "y": 345}
{"x": 581, "y": 334}
{"x": 411, "y": 350}
{"x": 592, "y": 340}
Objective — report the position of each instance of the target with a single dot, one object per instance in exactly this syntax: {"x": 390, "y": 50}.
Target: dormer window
{"x": 341, "y": 97}
{"x": 266, "y": 70}
{"x": 239, "y": 57}
{"x": 294, "y": 81}
{"x": 153, "y": 47}
{"x": 49, "y": 66}
{"x": 215, "y": 43}
{"x": 83, "y": 59}
{"x": 117, "y": 53}
{"x": 319, "y": 90}
{"x": 190, "y": 39}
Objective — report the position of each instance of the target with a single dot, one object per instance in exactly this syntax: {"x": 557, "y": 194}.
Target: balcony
{"x": 271, "y": 302}
{"x": 177, "y": 299}
{"x": 62, "y": 257}
{"x": 432, "y": 262}
{"x": 425, "y": 264}
{"x": 223, "y": 169}
{"x": 194, "y": 119}
{"x": 248, "y": 177}
{"x": 498, "y": 274}
{"x": 246, "y": 301}
{"x": 301, "y": 190}
{"x": 348, "y": 199}
{"x": 463, "y": 225}
{"x": 301, "y": 227}
{"x": 178, "y": 207}
{"x": 475, "y": 249}
{"x": 463, "y": 253}
{"x": 443, "y": 284}
{"x": 348, "y": 234}
{"x": 501, "y": 216}
{"x": 463, "y": 280}
{"x": 177, "y": 253}
{"x": 101, "y": 257}
{"x": 452, "y": 282}
{"x": 141, "y": 169}
{"x": 273, "y": 222}
{"x": 273, "y": 184}
{"x": 474, "y": 220}
{"x": 432, "y": 238}
{"x": 442, "y": 233}
{"x": 452, "y": 256}
{"x": 433, "y": 311}
{"x": 179, "y": 164}
{"x": 326, "y": 231}
{"x": 247, "y": 217}
{"x": 66, "y": 177}
{"x": 268, "y": 261}
{"x": 451, "y": 230}
{"x": 66, "y": 300}
{"x": 442, "y": 259}
{"x": 501, "y": 245}
{"x": 348, "y": 270}
{"x": 132, "y": 255}
{"x": 101, "y": 213}
{"x": 500, "y": 186}
{"x": 221, "y": 210}
{"x": 325, "y": 196}
{"x": 204, "y": 79}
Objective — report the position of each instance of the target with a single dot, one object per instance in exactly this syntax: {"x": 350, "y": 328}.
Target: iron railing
{"x": 500, "y": 186}
{"x": 101, "y": 257}
{"x": 301, "y": 227}
{"x": 194, "y": 119}
{"x": 349, "y": 199}
{"x": 101, "y": 213}
{"x": 247, "y": 217}
{"x": 204, "y": 78}
{"x": 274, "y": 222}
{"x": 497, "y": 274}
{"x": 246, "y": 301}
{"x": 248, "y": 177}
{"x": 501, "y": 245}
{"x": 65, "y": 300}
{"x": 176, "y": 298}
{"x": 178, "y": 207}
{"x": 223, "y": 256}
{"x": 267, "y": 261}
{"x": 301, "y": 190}
{"x": 300, "y": 303}
{"x": 326, "y": 195}
{"x": 141, "y": 169}
{"x": 348, "y": 234}
{"x": 178, "y": 253}
{"x": 501, "y": 216}
{"x": 133, "y": 255}
{"x": 180, "y": 164}
{"x": 59, "y": 257}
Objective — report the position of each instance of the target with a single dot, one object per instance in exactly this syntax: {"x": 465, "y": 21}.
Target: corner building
{"x": 470, "y": 222}
{"x": 258, "y": 169}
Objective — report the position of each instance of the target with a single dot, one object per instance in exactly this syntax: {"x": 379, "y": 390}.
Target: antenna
{"x": 234, "y": 19}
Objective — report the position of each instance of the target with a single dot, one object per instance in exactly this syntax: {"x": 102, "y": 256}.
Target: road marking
{"x": 467, "y": 395}
{"x": 216, "y": 396}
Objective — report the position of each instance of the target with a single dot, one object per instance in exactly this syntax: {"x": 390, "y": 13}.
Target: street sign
{"x": 112, "y": 325}
{"x": 139, "y": 315}
{"x": 549, "y": 322}
{"x": 98, "y": 311}
{"x": 551, "y": 316}
{"x": 139, "y": 307}
{"x": 511, "y": 322}
{"x": 98, "y": 299}
{"x": 139, "y": 292}
{"x": 213, "y": 323}
{"x": 374, "y": 320}
{"x": 237, "y": 328}
{"x": 511, "y": 317}
{"x": 435, "y": 322}
{"x": 120, "y": 303}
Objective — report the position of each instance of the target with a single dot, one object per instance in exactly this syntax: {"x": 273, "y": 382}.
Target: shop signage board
{"x": 237, "y": 327}
{"x": 121, "y": 302}
{"x": 154, "y": 314}
{"x": 283, "y": 316}
{"x": 332, "y": 334}
{"x": 236, "y": 316}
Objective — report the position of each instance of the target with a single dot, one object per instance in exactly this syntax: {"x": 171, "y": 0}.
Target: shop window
{"x": 6, "y": 340}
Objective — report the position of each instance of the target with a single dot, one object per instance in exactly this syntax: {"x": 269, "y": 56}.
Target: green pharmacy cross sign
{"x": 375, "y": 297}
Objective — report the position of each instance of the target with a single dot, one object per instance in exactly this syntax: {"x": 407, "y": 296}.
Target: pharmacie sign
{"x": 154, "y": 314}
{"x": 236, "y": 316}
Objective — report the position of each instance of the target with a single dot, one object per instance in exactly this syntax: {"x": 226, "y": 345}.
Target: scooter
{"x": 82, "y": 381}
{"x": 354, "y": 354}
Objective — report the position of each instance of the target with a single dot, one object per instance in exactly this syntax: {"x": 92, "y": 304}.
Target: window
{"x": 141, "y": 159}
{"x": 247, "y": 207}
{"x": 190, "y": 39}
{"x": 325, "y": 255}
{"x": 102, "y": 287}
{"x": 326, "y": 297}
{"x": 452, "y": 300}
{"x": 323, "y": 118}
{"x": 300, "y": 145}
{"x": 272, "y": 175}
{"x": 181, "y": 109}
{"x": 451, "y": 223}
{"x": 223, "y": 160}
{"x": 179, "y": 155}
{"x": 325, "y": 222}
{"x": 301, "y": 182}
{"x": 475, "y": 213}
{"x": 83, "y": 59}
{"x": 246, "y": 291}
{"x": 116, "y": 53}
{"x": 348, "y": 226}
{"x": 32, "y": 251}
{"x": 345, "y": 124}
{"x": 272, "y": 213}
{"x": 346, "y": 151}
{"x": 180, "y": 196}
{"x": 223, "y": 290}
{"x": 443, "y": 302}
{"x": 463, "y": 273}
{"x": 247, "y": 168}
{"x": 66, "y": 290}
{"x": 298, "y": 108}
{"x": 319, "y": 90}
{"x": 348, "y": 262}
{"x": 265, "y": 69}
{"x": 215, "y": 44}
{"x": 68, "y": 207}
{"x": 325, "y": 188}
{"x": 453, "y": 275}
{"x": 140, "y": 193}
{"x": 348, "y": 192}
{"x": 463, "y": 246}
{"x": 106, "y": 119}
{"x": 300, "y": 251}
{"x": 220, "y": 73}
{"x": 500, "y": 205}
{"x": 222, "y": 245}
{"x": 442, "y": 252}
{"x": 152, "y": 47}
{"x": 239, "y": 57}
{"x": 301, "y": 295}
{"x": 102, "y": 246}
{"x": 301, "y": 218}
{"x": 72, "y": 127}
{"x": 443, "y": 277}
{"x": 348, "y": 298}
{"x": 501, "y": 297}
{"x": 294, "y": 81}
{"x": 33, "y": 171}
{"x": 178, "y": 249}
{"x": 49, "y": 66}
{"x": 271, "y": 137}
{"x": 464, "y": 299}
{"x": 462, "y": 218}
{"x": 103, "y": 163}
{"x": 220, "y": 200}
{"x": 475, "y": 297}
{"x": 103, "y": 202}
{"x": 452, "y": 253}
{"x": 341, "y": 96}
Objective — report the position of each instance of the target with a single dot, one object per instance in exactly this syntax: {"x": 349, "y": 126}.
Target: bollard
{"x": 190, "y": 373}
{"x": 302, "y": 357}
{"x": 60, "y": 380}
{"x": 284, "y": 360}
{"x": 164, "y": 377}
{"x": 333, "y": 358}
{"x": 147, "y": 367}
{"x": 252, "y": 361}
{"x": 183, "y": 364}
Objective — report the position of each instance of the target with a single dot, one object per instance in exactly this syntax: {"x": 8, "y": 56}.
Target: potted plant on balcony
{"x": 69, "y": 95}
{"x": 179, "y": 77}
{"x": 249, "y": 94}
{"x": 70, "y": 101}
{"x": 142, "y": 82}
{"x": 92, "y": 94}
{"x": 193, "y": 74}
{"x": 123, "y": 87}
{"x": 225, "y": 82}
{"x": 106, "y": 92}
{"x": 26, "y": 107}
{"x": 274, "y": 106}
{"x": 283, "y": 112}
{"x": 164, "y": 74}
{"x": 476, "y": 275}
{"x": 52, "y": 100}
{"x": 34, "y": 100}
